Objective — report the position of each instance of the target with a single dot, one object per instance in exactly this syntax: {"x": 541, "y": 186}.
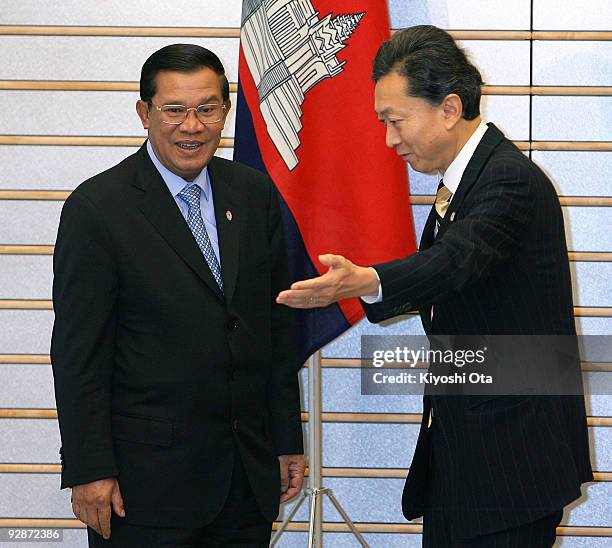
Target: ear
{"x": 228, "y": 106}
{"x": 142, "y": 108}
{"x": 452, "y": 107}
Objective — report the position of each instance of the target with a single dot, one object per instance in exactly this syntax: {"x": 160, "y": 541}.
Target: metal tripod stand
{"x": 315, "y": 491}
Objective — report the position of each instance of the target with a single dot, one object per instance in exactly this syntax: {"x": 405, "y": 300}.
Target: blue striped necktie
{"x": 191, "y": 196}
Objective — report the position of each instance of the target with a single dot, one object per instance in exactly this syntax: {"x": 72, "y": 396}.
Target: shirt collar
{"x": 454, "y": 172}
{"x": 174, "y": 182}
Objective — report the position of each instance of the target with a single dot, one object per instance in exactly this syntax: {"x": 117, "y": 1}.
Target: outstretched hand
{"x": 342, "y": 280}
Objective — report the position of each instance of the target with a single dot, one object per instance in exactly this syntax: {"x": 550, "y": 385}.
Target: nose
{"x": 392, "y": 137}
{"x": 192, "y": 123}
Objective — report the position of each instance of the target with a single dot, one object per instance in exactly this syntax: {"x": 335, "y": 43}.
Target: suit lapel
{"x": 485, "y": 148}
{"x": 427, "y": 238}
{"x": 160, "y": 209}
{"x": 229, "y": 219}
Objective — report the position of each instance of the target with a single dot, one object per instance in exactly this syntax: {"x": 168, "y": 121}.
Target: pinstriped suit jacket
{"x": 498, "y": 266}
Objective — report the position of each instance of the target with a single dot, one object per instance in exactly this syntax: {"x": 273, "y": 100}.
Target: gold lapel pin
{"x": 452, "y": 217}
{"x": 228, "y": 215}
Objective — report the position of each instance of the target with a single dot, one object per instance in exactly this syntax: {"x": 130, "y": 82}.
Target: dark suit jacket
{"x": 157, "y": 375}
{"x": 498, "y": 266}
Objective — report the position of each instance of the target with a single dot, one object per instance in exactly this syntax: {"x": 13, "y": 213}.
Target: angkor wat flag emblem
{"x": 305, "y": 115}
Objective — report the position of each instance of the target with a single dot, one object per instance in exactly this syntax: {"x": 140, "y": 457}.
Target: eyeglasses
{"x": 177, "y": 114}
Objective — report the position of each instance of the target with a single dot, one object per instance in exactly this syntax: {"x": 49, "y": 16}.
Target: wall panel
{"x": 595, "y": 326}
{"x": 571, "y": 118}
{"x": 26, "y": 386}
{"x": 577, "y": 173}
{"x": 509, "y": 113}
{"x": 25, "y": 331}
{"x": 456, "y": 14}
{"x": 583, "y": 223}
{"x": 31, "y": 440}
{"x": 29, "y": 222}
{"x": 591, "y": 283}
{"x": 94, "y": 57}
{"x": 572, "y": 15}
{"x": 579, "y": 63}
{"x": 181, "y": 13}
{"x": 501, "y": 62}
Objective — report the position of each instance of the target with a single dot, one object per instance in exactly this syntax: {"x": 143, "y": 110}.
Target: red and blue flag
{"x": 305, "y": 115}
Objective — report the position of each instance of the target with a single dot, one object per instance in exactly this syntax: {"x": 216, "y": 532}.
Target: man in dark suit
{"x": 495, "y": 469}
{"x": 175, "y": 376}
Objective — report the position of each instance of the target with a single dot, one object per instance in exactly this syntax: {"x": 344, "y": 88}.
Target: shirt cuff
{"x": 370, "y": 299}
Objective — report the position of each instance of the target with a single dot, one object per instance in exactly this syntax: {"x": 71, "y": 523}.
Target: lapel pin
{"x": 228, "y": 215}
{"x": 452, "y": 217}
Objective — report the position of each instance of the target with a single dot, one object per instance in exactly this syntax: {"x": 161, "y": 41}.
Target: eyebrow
{"x": 207, "y": 100}
{"x": 389, "y": 111}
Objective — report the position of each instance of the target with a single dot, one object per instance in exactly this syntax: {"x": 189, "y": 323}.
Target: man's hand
{"x": 91, "y": 503}
{"x": 292, "y": 469}
{"x": 343, "y": 280}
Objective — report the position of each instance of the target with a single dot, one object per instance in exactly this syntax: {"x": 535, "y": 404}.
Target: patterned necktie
{"x": 443, "y": 198}
{"x": 191, "y": 196}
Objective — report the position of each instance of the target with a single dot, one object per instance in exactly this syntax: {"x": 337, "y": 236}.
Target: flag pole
{"x": 315, "y": 490}
{"x": 315, "y": 439}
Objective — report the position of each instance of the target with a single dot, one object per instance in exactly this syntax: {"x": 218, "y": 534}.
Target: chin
{"x": 422, "y": 168}
{"x": 415, "y": 166}
{"x": 191, "y": 170}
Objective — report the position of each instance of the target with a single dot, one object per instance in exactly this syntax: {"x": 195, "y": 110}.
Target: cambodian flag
{"x": 305, "y": 115}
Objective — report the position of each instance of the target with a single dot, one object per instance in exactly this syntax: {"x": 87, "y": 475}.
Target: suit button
{"x": 235, "y": 425}
{"x": 234, "y": 374}
{"x": 232, "y": 323}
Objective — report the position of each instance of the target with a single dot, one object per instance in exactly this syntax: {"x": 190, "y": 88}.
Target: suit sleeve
{"x": 82, "y": 346}
{"x": 283, "y": 387}
{"x": 488, "y": 234}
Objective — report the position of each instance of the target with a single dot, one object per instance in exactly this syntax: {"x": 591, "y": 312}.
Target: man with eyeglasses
{"x": 175, "y": 376}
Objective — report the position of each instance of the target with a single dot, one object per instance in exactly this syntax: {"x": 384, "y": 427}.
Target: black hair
{"x": 433, "y": 66}
{"x": 180, "y": 58}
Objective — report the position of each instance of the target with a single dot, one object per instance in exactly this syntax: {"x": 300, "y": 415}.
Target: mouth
{"x": 189, "y": 145}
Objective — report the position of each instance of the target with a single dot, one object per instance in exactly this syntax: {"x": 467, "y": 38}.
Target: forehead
{"x": 390, "y": 93}
{"x": 391, "y": 96}
{"x": 203, "y": 82}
